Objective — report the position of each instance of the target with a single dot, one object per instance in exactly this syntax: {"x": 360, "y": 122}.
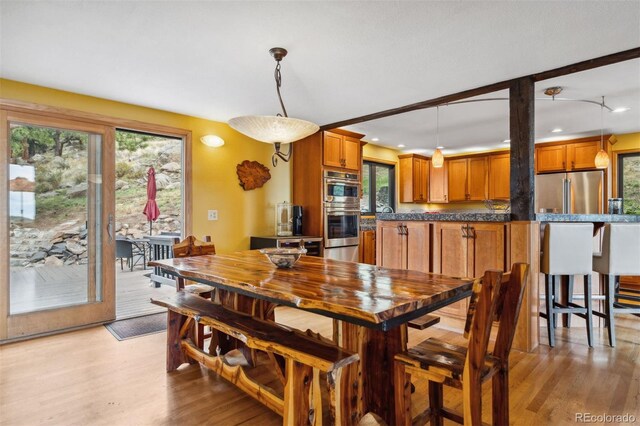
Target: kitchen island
{"x": 466, "y": 243}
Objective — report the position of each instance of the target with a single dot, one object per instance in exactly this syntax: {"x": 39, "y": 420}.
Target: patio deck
{"x": 55, "y": 286}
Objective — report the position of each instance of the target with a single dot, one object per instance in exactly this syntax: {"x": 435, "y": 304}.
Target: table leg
{"x": 370, "y": 387}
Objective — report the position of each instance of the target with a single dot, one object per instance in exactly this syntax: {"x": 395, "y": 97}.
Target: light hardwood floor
{"x": 86, "y": 377}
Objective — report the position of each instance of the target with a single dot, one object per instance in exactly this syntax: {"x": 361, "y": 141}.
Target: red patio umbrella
{"x": 151, "y": 210}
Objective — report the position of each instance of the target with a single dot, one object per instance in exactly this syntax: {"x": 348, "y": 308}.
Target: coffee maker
{"x": 297, "y": 220}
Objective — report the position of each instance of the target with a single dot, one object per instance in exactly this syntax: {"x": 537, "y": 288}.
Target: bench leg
{"x": 175, "y": 355}
{"x": 302, "y": 398}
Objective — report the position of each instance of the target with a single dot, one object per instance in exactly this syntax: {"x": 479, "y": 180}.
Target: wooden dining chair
{"x": 191, "y": 247}
{"x": 496, "y": 297}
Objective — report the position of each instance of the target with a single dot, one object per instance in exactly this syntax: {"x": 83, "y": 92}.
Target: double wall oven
{"x": 341, "y": 215}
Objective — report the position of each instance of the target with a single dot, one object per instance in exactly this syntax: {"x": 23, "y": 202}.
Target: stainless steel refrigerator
{"x": 576, "y": 193}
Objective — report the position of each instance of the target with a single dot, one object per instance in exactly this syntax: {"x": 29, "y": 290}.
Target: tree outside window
{"x": 378, "y": 188}
{"x": 629, "y": 181}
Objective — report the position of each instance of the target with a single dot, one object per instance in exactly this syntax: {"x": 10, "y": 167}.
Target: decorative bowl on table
{"x": 284, "y": 257}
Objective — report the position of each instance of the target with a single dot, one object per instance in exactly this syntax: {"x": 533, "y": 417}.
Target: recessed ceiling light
{"x": 401, "y": 145}
{"x": 621, "y": 109}
{"x": 440, "y": 147}
{"x": 374, "y": 139}
{"x": 556, "y": 130}
{"x": 506, "y": 141}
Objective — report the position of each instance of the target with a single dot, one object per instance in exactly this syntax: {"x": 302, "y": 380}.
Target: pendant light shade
{"x": 602, "y": 159}
{"x": 275, "y": 129}
{"x": 437, "y": 159}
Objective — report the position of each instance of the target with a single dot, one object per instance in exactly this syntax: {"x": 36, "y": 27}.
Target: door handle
{"x": 406, "y": 230}
{"x": 464, "y": 231}
{"x": 473, "y": 232}
{"x": 110, "y": 227}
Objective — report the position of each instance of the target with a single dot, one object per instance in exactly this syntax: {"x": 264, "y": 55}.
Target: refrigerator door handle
{"x": 567, "y": 194}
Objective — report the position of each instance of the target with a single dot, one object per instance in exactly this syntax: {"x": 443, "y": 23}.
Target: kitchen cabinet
{"x": 368, "y": 247}
{"x": 579, "y": 154}
{"x": 467, "y": 249}
{"x": 341, "y": 151}
{"x": 403, "y": 245}
{"x": 311, "y": 157}
{"x": 414, "y": 178}
{"x": 467, "y": 179}
{"x": 438, "y": 184}
{"x": 499, "y": 177}
{"x": 551, "y": 158}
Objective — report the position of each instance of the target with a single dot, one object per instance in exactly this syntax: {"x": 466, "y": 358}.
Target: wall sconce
{"x": 212, "y": 141}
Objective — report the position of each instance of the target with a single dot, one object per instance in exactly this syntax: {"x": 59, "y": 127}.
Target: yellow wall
{"x": 215, "y": 183}
{"x": 626, "y": 141}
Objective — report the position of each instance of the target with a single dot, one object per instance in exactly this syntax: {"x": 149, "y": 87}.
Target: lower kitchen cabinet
{"x": 468, "y": 249}
{"x": 368, "y": 247}
{"x": 403, "y": 245}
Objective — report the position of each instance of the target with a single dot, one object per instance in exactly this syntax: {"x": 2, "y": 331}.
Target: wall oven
{"x": 341, "y": 188}
{"x": 341, "y": 225}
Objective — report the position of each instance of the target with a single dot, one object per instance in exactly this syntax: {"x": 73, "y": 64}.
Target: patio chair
{"x": 125, "y": 249}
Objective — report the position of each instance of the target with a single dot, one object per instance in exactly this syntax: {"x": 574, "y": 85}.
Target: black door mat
{"x": 140, "y": 326}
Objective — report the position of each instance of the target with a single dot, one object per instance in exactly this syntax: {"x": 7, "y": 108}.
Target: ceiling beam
{"x": 567, "y": 69}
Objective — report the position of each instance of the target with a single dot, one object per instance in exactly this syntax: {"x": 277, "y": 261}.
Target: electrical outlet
{"x": 212, "y": 215}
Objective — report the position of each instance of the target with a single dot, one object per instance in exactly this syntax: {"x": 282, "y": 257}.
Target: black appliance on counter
{"x": 297, "y": 220}
{"x": 312, "y": 244}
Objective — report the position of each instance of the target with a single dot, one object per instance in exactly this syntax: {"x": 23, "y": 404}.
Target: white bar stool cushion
{"x": 620, "y": 250}
{"x": 567, "y": 249}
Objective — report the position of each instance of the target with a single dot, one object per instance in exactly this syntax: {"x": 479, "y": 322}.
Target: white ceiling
{"x": 482, "y": 126}
{"x": 210, "y": 59}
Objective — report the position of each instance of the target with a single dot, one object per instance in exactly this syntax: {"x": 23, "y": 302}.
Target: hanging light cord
{"x": 278, "y": 78}
{"x": 602, "y": 123}
{"x": 437, "y": 126}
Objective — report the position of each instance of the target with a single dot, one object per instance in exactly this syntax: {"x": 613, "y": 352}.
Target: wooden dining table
{"x": 370, "y": 305}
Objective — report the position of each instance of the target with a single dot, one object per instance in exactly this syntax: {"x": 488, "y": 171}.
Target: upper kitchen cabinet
{"x": 438, "y": 184}
{"x": 468, "y": 179}
{"x": 341, "y": 149}
{"x": 578, "y": 154}
{"x": 499, "y": 177}
{"x": 414, "y": 178}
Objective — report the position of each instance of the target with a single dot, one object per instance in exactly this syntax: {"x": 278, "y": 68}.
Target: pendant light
{"x": 278, "y": 129}
{"x": 602, "y": 158}
{"x": 437, "y": 159}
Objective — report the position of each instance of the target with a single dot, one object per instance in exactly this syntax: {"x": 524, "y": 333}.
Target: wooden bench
{"x": 305, "y": 356}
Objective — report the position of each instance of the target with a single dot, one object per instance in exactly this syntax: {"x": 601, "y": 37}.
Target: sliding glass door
{"x": 56, "y": 220}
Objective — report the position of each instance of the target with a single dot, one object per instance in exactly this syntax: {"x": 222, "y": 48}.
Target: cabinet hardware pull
{"x": 573, "y": 165}
{"x": 473, "y": 232}
{"x": 445, "y": 197}
{"x": 563, "y": 164}
{"x": 406, "y": 230}
{"x": 464, "y": 231}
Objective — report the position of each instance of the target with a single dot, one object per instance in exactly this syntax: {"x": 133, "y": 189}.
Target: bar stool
{"x": 567, "y": 251}
{"x": 620, "y": 256}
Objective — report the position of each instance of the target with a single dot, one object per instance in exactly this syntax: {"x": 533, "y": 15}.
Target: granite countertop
{"x": 607, "y": 218}
{"x": 368, "y": 223}
{"x": 452, "y": 216}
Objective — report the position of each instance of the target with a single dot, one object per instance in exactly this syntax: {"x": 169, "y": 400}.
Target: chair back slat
{"x": 191, "y": 246}
{"x": 473, "y": 300}
{"x": 510, "y": 300}
{"x": 480, "y": 330}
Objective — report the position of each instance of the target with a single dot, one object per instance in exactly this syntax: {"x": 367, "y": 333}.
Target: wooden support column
{"x": 521, "y": 129}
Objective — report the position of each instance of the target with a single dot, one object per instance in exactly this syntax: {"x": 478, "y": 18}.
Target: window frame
{"x": 372, "y": 164}
{"x": 619, "y": 172}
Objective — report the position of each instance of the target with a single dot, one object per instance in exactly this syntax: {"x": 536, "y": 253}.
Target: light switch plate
{"x": 212, "y": 215}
